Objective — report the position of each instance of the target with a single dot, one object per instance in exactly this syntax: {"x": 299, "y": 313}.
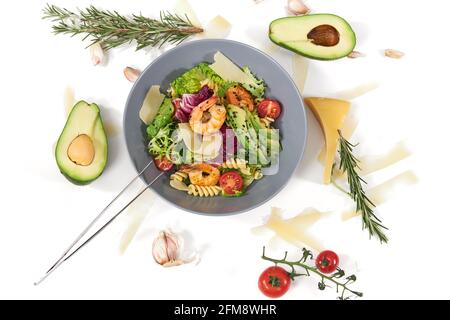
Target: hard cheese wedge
{"x": 331, "y": 115}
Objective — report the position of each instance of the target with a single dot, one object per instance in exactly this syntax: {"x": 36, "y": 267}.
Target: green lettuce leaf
{"x": 257, "y": 88}
{"x": 163, "y": 117}
{"x": 190, "y": 81}
{"x": 162, "y": 142}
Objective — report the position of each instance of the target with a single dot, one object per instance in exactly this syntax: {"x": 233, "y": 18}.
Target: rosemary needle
{"x": 349, "y": 164}
{"x": 112, "y": 29}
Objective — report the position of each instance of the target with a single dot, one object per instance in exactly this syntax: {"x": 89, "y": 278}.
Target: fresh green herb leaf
{"x": 161, "y": 143}
{"x": 349, "y": 165}
{"x": 162, "y": 118}
{"x": 112, "y": 29}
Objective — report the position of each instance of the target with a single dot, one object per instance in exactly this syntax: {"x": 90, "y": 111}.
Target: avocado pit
{"x": 324, "y": 35}
{"x": 81, "y": 150}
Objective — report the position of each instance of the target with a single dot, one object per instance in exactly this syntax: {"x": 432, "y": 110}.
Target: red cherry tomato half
{"x": 231, "y": 182}
{"x": 274, "y": 282}
{"x": 327, "y": 261}
{"x": 163, "y": 163}
{"x": 269, "y": 108}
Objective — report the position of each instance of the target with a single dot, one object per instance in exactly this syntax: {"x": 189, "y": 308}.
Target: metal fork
{"x": 66, "y": 256}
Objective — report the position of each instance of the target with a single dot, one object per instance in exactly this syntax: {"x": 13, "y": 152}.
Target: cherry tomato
{"x": 231, "y": 182}
{"x": 269, "y": 108}
{"x": 163, "y": 163}
{"x": 274, "y": 282}
{"x": 327, "y": 261}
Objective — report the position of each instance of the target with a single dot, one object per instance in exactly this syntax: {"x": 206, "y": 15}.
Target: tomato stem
{"x": 302, "y": 264}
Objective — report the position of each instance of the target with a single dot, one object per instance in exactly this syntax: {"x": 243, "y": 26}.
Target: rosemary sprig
{"x": 112, "y": 29}
{"x": 341, "y": 286}
{"x": 349, "y": 164}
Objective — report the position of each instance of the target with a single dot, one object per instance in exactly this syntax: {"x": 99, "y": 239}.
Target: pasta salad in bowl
{"x": 218, "y": 128}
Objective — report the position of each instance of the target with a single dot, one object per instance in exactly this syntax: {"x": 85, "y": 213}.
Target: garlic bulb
{"x": 97, "y": 54}
{"x": 166, "y": 249}
{"x": 297, "y": 7}
{"x": 131, "y": 74}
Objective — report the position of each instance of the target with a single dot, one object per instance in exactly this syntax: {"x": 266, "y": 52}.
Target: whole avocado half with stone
{"x": 82, "y": 149}
{"x": 316, "y": 36}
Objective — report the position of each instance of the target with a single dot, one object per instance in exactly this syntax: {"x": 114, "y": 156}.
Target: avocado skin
{"x": 81, "y": 182}
{"x": 281, "y": 44}
{"x": 78, "y": 182}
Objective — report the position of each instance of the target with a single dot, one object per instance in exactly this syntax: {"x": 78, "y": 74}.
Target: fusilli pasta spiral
{"x": 200, "y": 191}
{"x": 180, "y": 176}
{"x": 258, "y": 175}
{"x": 238, "y": 164}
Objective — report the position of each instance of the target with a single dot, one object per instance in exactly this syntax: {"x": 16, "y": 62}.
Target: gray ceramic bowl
{"x": 292, "y": 122}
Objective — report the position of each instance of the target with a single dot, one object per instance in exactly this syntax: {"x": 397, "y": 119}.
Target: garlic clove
{"x": 395, "y": 54}
{"x": 173, "y": 263}
{"x": 97, "y": 54}
{"x": 355, "y": 54}
{"x": 166, "y": 248}
{"x": 131, "y": 74}
{"x": 297, "y": 7}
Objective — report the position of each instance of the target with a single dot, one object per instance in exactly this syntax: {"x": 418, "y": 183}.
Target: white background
{"x": 41, "y": 212}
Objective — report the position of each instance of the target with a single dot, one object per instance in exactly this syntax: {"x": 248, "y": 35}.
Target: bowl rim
{"x": 280, "y": 67}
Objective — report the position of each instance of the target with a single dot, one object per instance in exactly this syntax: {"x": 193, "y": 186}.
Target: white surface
{"x": 41, "y": 212}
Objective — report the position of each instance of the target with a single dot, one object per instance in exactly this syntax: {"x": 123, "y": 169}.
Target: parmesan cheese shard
{"x": 192, "y": 140}
{"x": 218, "y": 27}
{"x": 228, "y": 71}
{"x": 151, "y": 104}
{"x": 183, "y": 8}
{"x": 353, "y": 93}
{"x": 136, "y": 213}
{"x": 300, "y": 71}
{"x": 204, "y": 147}
{"x": 295, "y": 230}
{"x": 370, "y": 164}
{"x": 331, "y": 114}
{"x": 69, "y": 100}
{"x": 381, "y": 193}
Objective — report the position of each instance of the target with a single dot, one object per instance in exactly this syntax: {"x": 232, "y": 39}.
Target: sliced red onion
{"x": 187, "y": 102}
{"x": 194, "y": 99}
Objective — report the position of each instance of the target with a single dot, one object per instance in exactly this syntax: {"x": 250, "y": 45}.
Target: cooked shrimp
{"x": 207, "y": 117}
{"x": 202, "y": 174}
{"x": 238, "y": 96}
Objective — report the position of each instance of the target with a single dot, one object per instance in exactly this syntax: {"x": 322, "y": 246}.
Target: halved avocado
{"x": 82, "y": 149}
{"x": 316, "y": 36}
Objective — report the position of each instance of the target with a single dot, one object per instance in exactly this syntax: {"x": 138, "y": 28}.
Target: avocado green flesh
{"x": 83, "y": 119}
{"x": 292, "y": 34}
{"x": 246, "y": 128}
{"x": 238, "y": 116}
